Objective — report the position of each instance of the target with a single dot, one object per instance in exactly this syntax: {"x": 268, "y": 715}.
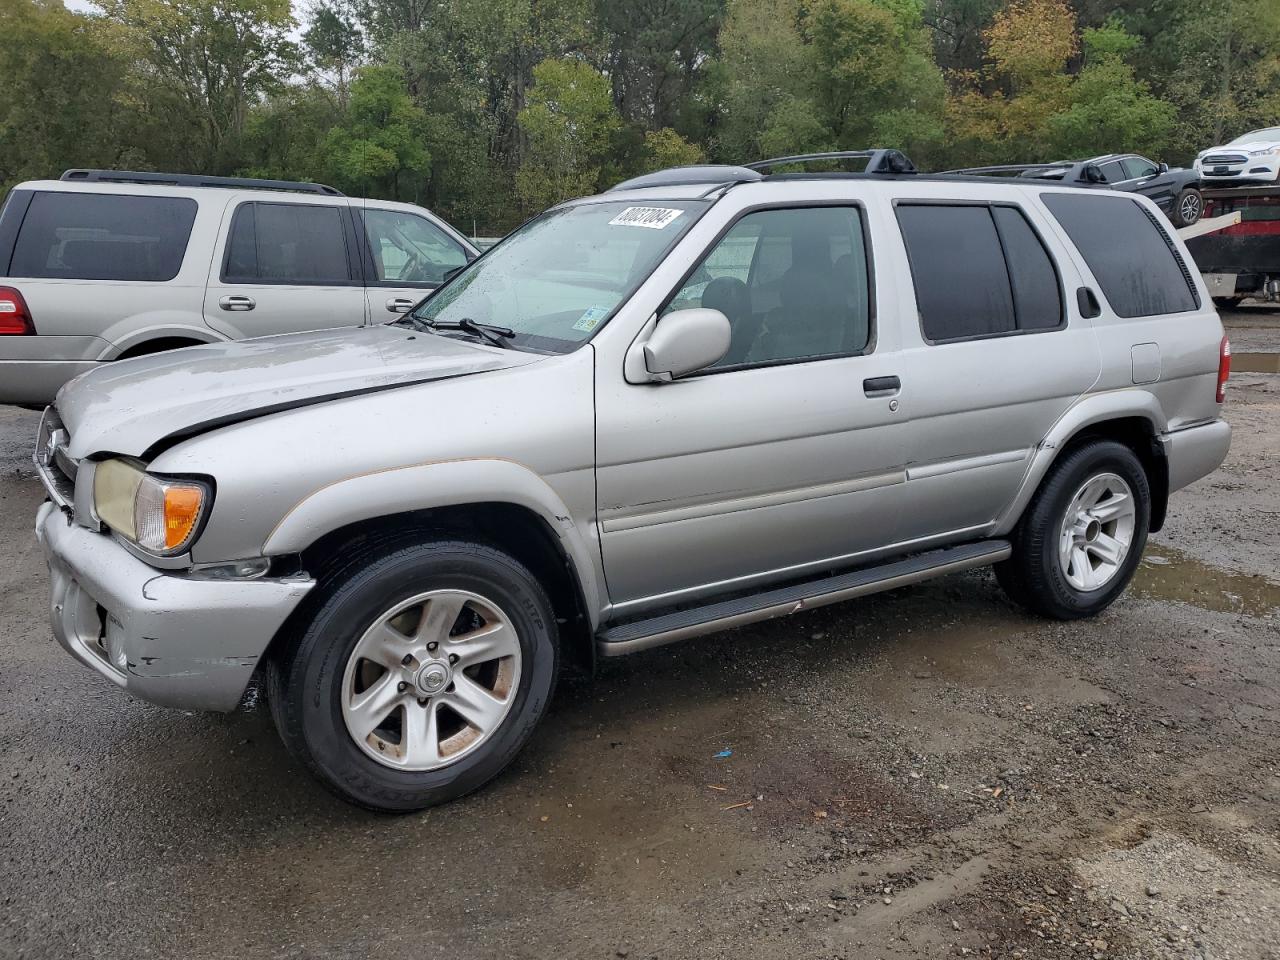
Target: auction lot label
{"x": 655, "y": 218}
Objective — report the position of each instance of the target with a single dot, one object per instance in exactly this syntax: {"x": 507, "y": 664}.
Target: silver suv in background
{"x": 705, "y": 398}
{"x": 106, "y": 265}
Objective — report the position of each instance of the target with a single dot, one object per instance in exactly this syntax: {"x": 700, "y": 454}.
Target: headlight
{"x": 1265, "y": 152}
{"x": 161, "y": 516}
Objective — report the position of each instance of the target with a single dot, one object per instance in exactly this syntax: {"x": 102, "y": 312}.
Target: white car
{"x": 1253, "y": 157}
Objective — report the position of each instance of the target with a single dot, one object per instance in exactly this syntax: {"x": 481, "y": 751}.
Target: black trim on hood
{"x": 243, "y": 416}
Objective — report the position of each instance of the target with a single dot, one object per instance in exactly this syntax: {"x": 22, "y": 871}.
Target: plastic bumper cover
{"x": 178, "y": 641}
{"x": 1195, "y": 452}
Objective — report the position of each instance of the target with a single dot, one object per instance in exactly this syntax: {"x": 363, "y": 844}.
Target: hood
{"x": 1241, "y": 147}
{"x": 129, "y": 406}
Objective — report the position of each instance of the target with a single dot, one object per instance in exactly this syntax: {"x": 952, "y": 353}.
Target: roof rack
{"x": 1008, "y": 168}
{"x": 878, "y": 160}
{"x": 195, "y": 180}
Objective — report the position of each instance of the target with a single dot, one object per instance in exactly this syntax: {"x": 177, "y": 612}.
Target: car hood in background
{"x": 128, "y": 406}
{"x": 1244, "y": 148}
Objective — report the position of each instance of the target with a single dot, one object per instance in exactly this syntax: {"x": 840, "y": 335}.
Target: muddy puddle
{"x": 1169, "y": 574}
{"x": 1255, "y": 363}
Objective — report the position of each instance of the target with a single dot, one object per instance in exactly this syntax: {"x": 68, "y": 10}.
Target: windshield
{"x": 1267, "y": 133}
{"x": 558, "y": 279}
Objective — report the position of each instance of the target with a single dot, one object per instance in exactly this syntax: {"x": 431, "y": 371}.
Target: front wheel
{"x": 1188, "y": 207}
{"x": 1078, "y": 545}
{"x": 420, "y": 677}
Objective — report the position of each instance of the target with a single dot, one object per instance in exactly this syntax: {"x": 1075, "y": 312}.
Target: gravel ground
{"x": 924, "y": 773}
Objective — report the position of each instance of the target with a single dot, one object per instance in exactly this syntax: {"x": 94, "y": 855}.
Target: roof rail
{"x": 878, "y": 160}
{"x": 1007, "y": 168}
{"x": 196, "y": 180}
{"x": 712, "y": 174}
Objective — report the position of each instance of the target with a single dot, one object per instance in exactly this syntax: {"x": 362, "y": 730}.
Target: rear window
{"x": 94, "y": 236}
{"x": 978, "y": 271}
{"x": 287, "y": 243}
{"x": 1139, "y": 269}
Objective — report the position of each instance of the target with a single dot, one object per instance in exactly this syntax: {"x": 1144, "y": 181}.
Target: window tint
{"x": 408, "y": 249}
{"x": 793, "y": 283}
{"x": 94, "y": 236}
{"x": 1135, "y": 167}
{"x": 1112, "y": 172}
{"x": 287, "y": 243}
{"x": 1037, "y": 295}
{"x": 958, "y": 269}
{"x": 1132, "y": 258}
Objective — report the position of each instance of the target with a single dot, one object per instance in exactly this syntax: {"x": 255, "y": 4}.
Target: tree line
{"x": 490, "y": 110}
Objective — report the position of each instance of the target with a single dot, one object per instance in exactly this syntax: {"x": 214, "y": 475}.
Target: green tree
{"x": 570, "y": 121}
{"x": 203, "y": 65}
{"x": 1111, "y": 110}
{"x": 380, "y": 147}
{"x": 334, "y": 44}
{"x": 666, "y": 148}
{"x": 64, "y": 82}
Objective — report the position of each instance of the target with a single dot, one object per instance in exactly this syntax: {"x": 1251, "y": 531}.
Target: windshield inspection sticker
{"x": 655, "y": 218}
{"x": 590, "y": 318}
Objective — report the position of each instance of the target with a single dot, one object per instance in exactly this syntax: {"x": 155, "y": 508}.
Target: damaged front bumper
{"x": 170, "y": 638}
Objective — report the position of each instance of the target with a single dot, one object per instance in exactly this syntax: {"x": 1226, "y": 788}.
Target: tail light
{"x": 1224, "y": 369}
{"x": 15, "y": 318}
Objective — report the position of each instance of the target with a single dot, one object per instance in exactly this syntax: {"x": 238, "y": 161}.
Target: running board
{"x": 669, "y": 627}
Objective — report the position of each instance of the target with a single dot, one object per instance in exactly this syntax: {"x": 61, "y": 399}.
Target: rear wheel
{"x": 1188, "y": 207}
{"x": 420, "y": 677}
{"x": 1078, "y": 545}
{"x": 1227, "y": 303}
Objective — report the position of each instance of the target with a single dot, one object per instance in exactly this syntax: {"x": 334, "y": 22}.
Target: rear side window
{"x": 287, "y": 243}
{"x": 1135, "y": 262}
{"x": 978, "y": 271}
{"x": 94, "y": 236}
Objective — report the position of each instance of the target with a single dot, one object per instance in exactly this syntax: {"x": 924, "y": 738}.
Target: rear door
{"x": 407, "y": 255}
{"x": 998, "y": 356}
{"x": 283, "y": 266}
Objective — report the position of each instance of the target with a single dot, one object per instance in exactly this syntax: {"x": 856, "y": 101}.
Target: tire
{"x": 1035, "y": 576}
{"x": 1228, "y": 303}
{"x": 313, "y": 686}
{"x": 1188, "y": 206}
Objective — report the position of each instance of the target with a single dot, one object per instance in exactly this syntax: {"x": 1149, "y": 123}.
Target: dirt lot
{"x": 925, "y": 773}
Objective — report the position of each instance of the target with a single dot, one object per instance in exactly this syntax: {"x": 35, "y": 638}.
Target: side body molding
{"x": 1089, "y": 410}
{"x": 442, "y": 484}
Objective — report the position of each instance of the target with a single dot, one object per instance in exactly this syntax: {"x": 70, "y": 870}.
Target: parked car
{"x": 107, "y": 265}
{"x": 1253, "y": 157}
{"x": 708, "y": 397}
{"x": 1174, "y": 190}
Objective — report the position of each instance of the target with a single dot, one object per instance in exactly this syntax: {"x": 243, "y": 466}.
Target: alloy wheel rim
{"x": 431, "y": 680}
{"x": 1097, "y": 532}
{"x": 1190, "y": 208}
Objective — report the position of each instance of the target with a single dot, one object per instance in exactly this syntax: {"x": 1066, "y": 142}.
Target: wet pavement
{"x": 923, "y": 773}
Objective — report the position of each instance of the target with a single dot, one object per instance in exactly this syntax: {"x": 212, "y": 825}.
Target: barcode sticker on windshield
{"x": 655, "y": 218}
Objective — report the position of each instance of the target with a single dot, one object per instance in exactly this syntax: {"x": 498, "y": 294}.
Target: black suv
{"x": 1176, "y": 191}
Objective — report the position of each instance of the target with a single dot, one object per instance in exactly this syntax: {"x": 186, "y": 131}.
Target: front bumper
{"x": 1253, "y": 170}
{"x": 173, "y": 639}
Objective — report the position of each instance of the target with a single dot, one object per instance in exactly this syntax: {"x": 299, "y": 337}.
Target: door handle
{"x": 237, "y": 304}
{"x": 399, "y": 305}
{"x": 881, "y": 386}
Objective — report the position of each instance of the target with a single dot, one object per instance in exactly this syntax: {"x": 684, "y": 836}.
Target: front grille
{"x": 1227, "y": 158}
{"x": 56, "y": 468}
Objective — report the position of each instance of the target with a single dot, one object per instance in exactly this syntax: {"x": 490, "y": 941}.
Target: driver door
{"x": 408, "y": 256}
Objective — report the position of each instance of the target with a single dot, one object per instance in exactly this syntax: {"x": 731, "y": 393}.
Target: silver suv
{"x": 106, "y": 265}
{"x": 705, "y": 398}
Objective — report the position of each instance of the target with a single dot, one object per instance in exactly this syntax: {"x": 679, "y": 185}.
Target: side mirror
{"x": 1163, "y": 168}
{"x": 1093, "y": 173}
{"x": 686, "y": 341}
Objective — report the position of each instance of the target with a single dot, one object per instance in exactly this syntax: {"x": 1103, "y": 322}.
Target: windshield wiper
{"x": 495, "y": 334}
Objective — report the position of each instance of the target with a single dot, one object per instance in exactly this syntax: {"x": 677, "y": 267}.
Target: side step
{"x": 670, "y": 627}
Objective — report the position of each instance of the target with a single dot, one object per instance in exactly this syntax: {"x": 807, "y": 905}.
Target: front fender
{"x": 440, "y": 484}
{"x": 1090, "y": 410}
